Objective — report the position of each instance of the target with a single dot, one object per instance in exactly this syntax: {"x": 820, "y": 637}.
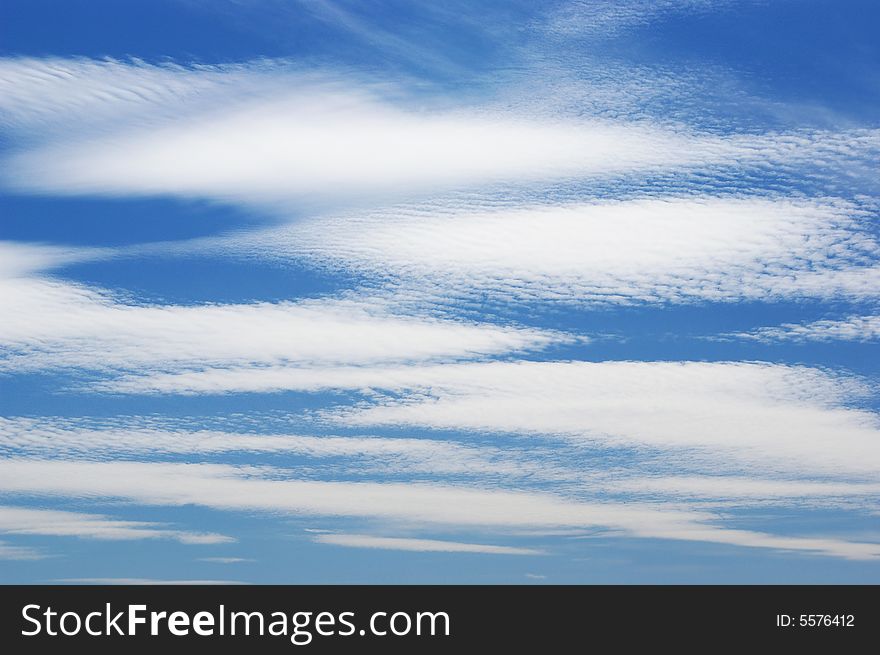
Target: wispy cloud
{"x": 758, "y": 413}
{"x": 851, "y": 328}
{"x": 57, "y": 523}
{"x": 739, "y": 488}
{"x": 20, "y": 260}
{"x": 40, "y": 96}
{"x": 763, "y": 414}
{"x": 315, "y": 146}
{"x": 419, "y": 545}
{"x": 558, "y": 463}
{"x": 55, "y": 324}
{"x": 598, "y": 19}
{"x": 316, "y": 135}
{"x": 667, "y": 249}
{"x": 19, "y": 552}
{"x": 139, "y": 437}
{"x": 231, "y": 488}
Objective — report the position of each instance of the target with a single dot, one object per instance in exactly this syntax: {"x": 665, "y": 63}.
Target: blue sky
{"x": 326, "y": 292}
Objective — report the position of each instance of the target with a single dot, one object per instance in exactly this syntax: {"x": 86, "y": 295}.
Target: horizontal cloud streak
{"x": 128, "y": 437}
{"x": 608, "y": 18}
{"x": 418, "y": 545}
{"x": 244, "y": 488}
{"x": 767, "y": 415}
{"x": 19, "y": 552}
{"x": 670, "y": 249}
{"x": 763, "y": 414}
{"x": 52, "y": 324}
{"x": 852, "y": 328}
{"x": 331, "y": 135}
{"x": 56, "y": 523}
{"x": 732, "y": 487}
{"x": 18, "y": 260}
{"x": 560, "y": 465}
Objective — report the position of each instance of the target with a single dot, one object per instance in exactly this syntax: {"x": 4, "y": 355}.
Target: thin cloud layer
{"x": 763, "y": 415}
{"x": 10, "y": 552}
{"x": 20, "y": 260}
{"x": 53, "y": 324}
{"x": 559, "y": 464}
{"x": 329, "y": 134}
{"x": 852, "y": 328}
{"x": 647, "y": 250}
{"x": 56, "y": 523}
{"x": 245, "y": 489}
{"x": 599, "y": 19}
{"x": 318, "y": 146}
{"x": 130, "y": 437}
{"x": 418, "y": 545}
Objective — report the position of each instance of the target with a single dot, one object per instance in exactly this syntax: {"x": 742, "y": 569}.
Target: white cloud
{"x": 57, "y": 523}
{"x": 852, "y": 328}
{"x": 143, "y": 129}
{"x": 419, "y": 545}
{"x": 608, "y": 18}
{"x": 53, "y": 324}
{"x": 18, "y": 260}
{"x": 46, "y": 95}
{"x": 18, "y": 552}
{"x": 645, "y": 250}
{"x": 741, "y": 488}
{"x": 299, "y": 134}
{"x": 371, "y": 455}
{"x": 327, "y": 134}
{"x": 564, "y": 466}
{"x": 845, "y": 549}
{"x": 321, "y": 146}
{"x": 763, "y": 415}
{"x": 249, "y": 489}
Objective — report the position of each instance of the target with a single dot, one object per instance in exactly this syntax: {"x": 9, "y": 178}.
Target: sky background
{"x": 418, "y": 292}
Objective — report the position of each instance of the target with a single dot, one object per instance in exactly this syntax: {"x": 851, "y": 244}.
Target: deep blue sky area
{"x": 824, "y": 54}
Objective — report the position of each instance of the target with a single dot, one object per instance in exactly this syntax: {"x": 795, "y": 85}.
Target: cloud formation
{"x": 233, "y": 488}
{"x": 418, "y": 545}
{"x": 57, "y": 523}
{"x": 669, "y": 250}
{"x": 139, "y": 437}
{"x": 763, "y": 415}
{"x": 9, "y": 552}
{"x": 607, "y": 18}
{"x": 851, "y": 328}
{"x": 53, "y": 324}
{"x": 330, "y": 134}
